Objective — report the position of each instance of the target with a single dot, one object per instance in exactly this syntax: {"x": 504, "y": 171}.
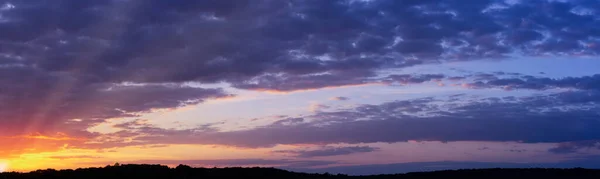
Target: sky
{"x": 350, "y": 86}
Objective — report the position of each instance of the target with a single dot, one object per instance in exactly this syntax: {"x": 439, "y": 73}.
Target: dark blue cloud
{"x": 537, "y": 83}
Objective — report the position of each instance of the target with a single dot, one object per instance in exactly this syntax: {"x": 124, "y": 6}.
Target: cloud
{"x": 50, "y": 103}
{"x": 516, "y": 150}
{"x": 538, "y": 83}
{"x": 483, "y": 148}
{"x": 38, "y": 106}
{"x": 339, "y": 98}
{"x": 574, "y": 146}
{"x": 208, "y": 42}
{"x": 414, "y": 79}
{"x": 287, "y": 83}
{"x": 288, "y": 121}
{"x": 561, "y": 117}
{"x": 314, "y": 107}
{"x": 328, "y": 151}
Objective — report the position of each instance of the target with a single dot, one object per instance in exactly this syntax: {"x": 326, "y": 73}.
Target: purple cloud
{"x": 328, "y": 151}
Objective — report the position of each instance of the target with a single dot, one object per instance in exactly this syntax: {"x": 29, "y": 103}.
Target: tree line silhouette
{"x": 133, "y": 171}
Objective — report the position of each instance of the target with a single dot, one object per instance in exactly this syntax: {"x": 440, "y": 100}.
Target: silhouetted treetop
{"x": 131, "y": 171}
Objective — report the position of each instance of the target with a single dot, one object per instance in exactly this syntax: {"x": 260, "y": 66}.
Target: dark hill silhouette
{"x": 186, "y": 172}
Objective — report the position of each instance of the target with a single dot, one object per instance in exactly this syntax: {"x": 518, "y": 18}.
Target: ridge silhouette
{"x": 147, "y": 171}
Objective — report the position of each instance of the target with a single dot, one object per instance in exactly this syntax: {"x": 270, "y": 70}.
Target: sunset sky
{"x": 366, "y": 86}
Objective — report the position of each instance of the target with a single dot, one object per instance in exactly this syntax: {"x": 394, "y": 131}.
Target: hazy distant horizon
{"x": 399, "y": 168}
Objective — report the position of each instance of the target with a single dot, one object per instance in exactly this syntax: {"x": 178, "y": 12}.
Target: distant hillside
{"x": 186, "y": 172}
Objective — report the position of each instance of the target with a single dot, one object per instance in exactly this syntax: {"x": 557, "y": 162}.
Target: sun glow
{"x": 3, "y": 166}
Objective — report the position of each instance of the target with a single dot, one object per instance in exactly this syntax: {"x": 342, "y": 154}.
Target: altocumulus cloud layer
{"x": 66, "y": 65}
{"x": 563, "y": 117}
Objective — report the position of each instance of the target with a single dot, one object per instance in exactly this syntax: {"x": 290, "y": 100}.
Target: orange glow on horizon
{"x": 72, "y": 158}
{"x": 16, "y": 146}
